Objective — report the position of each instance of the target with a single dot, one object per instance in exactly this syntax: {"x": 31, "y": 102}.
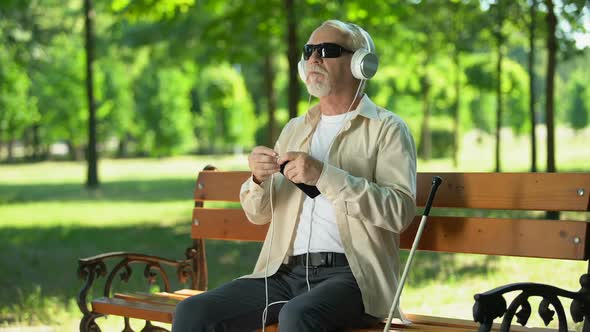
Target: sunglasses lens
{"x": 307, "y": 51}
{"x": 330, "y": 51}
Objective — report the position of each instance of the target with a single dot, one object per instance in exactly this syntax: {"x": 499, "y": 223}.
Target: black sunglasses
{"x": 326, "y": 50}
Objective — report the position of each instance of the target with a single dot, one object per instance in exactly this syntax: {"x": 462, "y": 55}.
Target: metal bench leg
{"x": 88, "y": 324}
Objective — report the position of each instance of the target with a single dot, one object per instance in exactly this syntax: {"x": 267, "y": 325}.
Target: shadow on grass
{"x": 45, "y": 258}
{"x": 135, "y": 190}
{"x": 430, "y": 267}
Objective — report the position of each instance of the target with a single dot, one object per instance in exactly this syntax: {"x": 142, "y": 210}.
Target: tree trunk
{"x": 72, "y": 154}
{"x": 293, "y": 57}
{"x": 36, "y": 142}
{"x": 123, "y": 146}
{"x": 456, "y": 108}
{"x": 269, "y": 78}
{"x": 27, "y": 142}
{"x": 549, "y": 104}
{"x": 500, "y": 41}
{"x": 551, "y": 64}
{"x": 425, "y": 148}
{"x": 91, "y": 152}
{"x": 532, "y": 98}
{"x": 10, "y": 150}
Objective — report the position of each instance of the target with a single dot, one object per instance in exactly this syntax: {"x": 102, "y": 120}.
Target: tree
{"x": 550, "y": 87}
{"x": 500, "y": 37}
{"x": 480, "y": 76}
{"x": 91, "y": 154}
{"x": 531, "y": 70}
{"x": 18, "y": 110}
{"x": 227, "y": 120}
{"x": 465, "y": 14}
{"x": 59, "y": 89}
{"x": 163, "y": 103}
{"x": 570, "y": 12}
{"x": 578, "y": 109}
{"x": 293, "y": 55}
{"x": 116, "y": 113}
{"x": 425, "y": 42}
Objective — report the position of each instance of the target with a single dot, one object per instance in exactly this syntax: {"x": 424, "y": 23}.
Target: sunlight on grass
{"x": 118, "y": 169}
{"x": 48, "y": 220}
{"x": 87, "y": 213}
{"x": 452, "y": 296}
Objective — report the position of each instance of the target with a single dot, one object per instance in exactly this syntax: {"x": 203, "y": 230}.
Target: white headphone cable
{"x": 267, "y": 305}
{"x": 272, "y": 233}
{"x": 313, "y": 200}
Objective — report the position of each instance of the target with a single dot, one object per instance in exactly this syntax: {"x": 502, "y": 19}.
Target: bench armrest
{"x": 491, "y": 304}
{"x": 94, "y": 267}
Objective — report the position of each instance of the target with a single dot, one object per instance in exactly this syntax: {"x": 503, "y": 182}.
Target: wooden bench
{"x": 458, "y": 231}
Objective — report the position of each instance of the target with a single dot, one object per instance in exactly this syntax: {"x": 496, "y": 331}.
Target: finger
{"x": 264, "y": 150}
{"x": 264, "y": 158}
{"x": 288, "y": 157}
{"x": 267, "y": 166}
{"x": 290, "y": 171}
{"x": 265, "y": 172}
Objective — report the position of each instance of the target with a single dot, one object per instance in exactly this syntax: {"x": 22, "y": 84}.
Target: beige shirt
{"x": 370, "y": 178}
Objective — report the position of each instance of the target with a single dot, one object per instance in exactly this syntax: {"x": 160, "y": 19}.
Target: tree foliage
{"x": 176, "y": 76}
{"x": 18, "y": 110}
{"x": 226, "y": 121}
{"x": 579, "y": 107}
{"x": 163, "y": 101}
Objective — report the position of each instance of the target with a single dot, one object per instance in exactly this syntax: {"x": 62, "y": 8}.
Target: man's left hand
{"x": 302, "y": 168}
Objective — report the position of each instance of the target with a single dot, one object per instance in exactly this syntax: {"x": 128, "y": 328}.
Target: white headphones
{"x": 364, "y": 62}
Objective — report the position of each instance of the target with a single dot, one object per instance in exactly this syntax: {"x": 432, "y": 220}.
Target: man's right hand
{"x": 263, "y": 162}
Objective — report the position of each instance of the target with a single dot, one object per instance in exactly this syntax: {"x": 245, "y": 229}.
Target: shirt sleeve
{"x": 390, "y": 201}
{"x": 255, "y": 198}
{"x": 255, "y": 201}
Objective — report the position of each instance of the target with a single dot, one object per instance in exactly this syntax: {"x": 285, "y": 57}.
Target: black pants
{"x": 334, "y": 303}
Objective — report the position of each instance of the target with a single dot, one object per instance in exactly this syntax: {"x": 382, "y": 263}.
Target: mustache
{"x": 315, "y": 68}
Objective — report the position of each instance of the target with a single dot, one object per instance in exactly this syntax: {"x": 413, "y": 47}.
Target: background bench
{"x": 451, "y": 228}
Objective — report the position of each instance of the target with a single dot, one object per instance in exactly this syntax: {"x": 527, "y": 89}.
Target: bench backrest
{"x": 448, "y": 230}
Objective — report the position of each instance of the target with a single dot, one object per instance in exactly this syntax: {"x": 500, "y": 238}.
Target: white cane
{"x": 436, "y": 181}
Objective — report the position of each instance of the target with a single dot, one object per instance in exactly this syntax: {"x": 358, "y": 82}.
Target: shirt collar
{"x": 366, "y": 108}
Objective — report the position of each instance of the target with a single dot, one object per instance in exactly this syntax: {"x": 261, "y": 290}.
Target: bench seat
{"x": 160, "y": 307}
{"x": 499, "y": 214}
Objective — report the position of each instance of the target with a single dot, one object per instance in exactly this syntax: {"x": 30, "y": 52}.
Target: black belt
{"x": 317, "y": 259}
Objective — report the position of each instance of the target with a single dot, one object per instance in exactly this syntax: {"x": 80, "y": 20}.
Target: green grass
{"x": 48, "y": 220}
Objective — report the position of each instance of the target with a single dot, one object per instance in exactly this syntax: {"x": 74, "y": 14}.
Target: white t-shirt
{"x": 318, "y": 213}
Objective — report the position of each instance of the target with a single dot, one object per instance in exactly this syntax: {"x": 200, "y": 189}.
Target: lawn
{"x": 48, "y": 220}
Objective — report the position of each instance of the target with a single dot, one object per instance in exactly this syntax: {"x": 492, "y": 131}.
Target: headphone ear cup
{"x": 301, "y": 70}
{"x": 364, "y": 64}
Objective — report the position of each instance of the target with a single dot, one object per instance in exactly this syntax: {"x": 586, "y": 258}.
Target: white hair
{"x": 355, "y": 37}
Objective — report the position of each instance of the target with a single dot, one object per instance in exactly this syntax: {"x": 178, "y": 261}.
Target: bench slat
{"x": 132, "y": 306}
{"x": 149, "y": 298}
{"x": 133, "y": 309}
{"x": 514, "y": 237}
{"x": 507, "y": 237}
{"x": 506, "y": 191}
{"x": 139, "y": 310}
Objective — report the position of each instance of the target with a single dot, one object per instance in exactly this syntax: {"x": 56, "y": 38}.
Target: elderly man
{"x": 330, "y": 260}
